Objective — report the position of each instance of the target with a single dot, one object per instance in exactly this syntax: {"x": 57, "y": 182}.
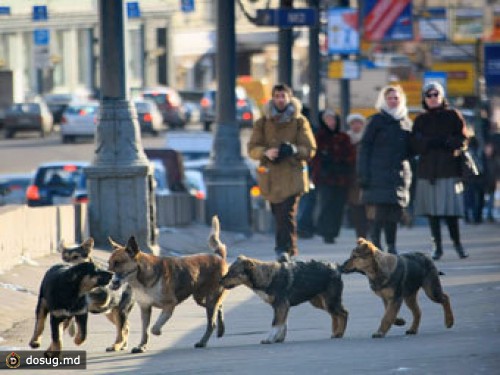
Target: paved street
{"x": 472, "y": 346}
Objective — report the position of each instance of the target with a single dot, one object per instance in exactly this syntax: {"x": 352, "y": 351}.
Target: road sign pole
{"x": 285, "y": 45}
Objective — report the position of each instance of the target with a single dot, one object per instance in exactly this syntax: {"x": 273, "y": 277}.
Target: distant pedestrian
{"x": 332, "y": 169}
{"x": 356, "y": 209}
{"x": 384, "y": 170}
{"x": 438, "y": 136}
{"x": 282, "y": 141}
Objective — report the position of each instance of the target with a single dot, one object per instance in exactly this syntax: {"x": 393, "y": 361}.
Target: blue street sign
{"x": 40, "y": 13}
{"x": 4, "y": 11}
{"x": 187, "y": 5}
{"x": 41, "y": 37}
{"x": 133, "y": 10}
{"x": 492, "y": 65}
{"x": 287, "y": 18}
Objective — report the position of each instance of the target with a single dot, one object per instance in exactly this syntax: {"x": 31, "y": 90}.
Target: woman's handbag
{"x": 468, "y": 167}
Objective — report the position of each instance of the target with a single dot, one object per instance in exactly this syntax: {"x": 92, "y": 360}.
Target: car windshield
{"x": 68, "y": 176}
{"x": 157, "y": 98}
{"x": 142, "y": 107}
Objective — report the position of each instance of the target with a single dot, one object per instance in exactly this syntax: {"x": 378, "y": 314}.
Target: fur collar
{"x": 295, "y": 105}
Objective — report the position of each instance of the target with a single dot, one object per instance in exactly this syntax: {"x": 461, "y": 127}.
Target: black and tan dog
{"x": 164, "y": 282}
{"x": 287, "y": 284}
{"x": 398, "y": 278}
{"x": 62, "y": 294}
{"x": 115, "y": 304}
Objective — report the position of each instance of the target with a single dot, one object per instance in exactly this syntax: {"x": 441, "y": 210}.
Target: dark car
{"x": 58, "y": 183}
{"x": 22, "y": 117}
{"x": 169, "y": 103}
{"x": 245, "y": 108}
{"x": 150, "y": 117}
{"x": 13, "y": 188}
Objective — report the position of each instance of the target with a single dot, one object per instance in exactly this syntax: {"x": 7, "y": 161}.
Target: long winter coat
{"x": 383, "y": 168}
{"x": 288, "y": 177}
{"x": 437, "y": 136}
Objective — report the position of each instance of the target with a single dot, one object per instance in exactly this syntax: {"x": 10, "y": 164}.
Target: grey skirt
{"x": 442, "y": 198}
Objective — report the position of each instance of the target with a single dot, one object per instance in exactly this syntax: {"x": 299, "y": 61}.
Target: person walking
{"x": 383, "y": 167}
{"x": 356, "y": 209}
{"x": 282, "y": 141}
{"x": 332, "y": 168}
{"x": 438, "y": 136}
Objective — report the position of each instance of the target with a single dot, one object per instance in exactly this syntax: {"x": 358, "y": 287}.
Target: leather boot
{"x": 460, "y": 251}
{"x": 391, "y": 248}
{"x": 437, "y": 250}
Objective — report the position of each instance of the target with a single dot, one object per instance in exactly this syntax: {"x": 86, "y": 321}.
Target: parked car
{"x": 22, "y": 117}
{"x": 169, "y": 103}
{"x": 149, "y": 116}
{"x": 191, "y": 101}
{"x": 13, "y": 188}
{"x": 79, "y": 120}
{"x": 245, "y": 108}
{"x": 62, "y": 182}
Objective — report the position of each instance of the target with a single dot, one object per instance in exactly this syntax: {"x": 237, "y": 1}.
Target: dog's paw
{"x": 399, "y": 322}
{"x": 337, "y": 336}
{"x": 156, "y": 331}
{"x": 116, "y": 347}
{"x": 138, "y": 349}
{"x": 221, "y": 329}
{"x": 78, "y": 340}
{"x": 52, "y": 354}
{"x": 266, "y": 341}
{"x": 34, "y": 344}
{"x": 411, "y": 332}
{"x": 200, "y": 345}
{"x": 377, "y": 335}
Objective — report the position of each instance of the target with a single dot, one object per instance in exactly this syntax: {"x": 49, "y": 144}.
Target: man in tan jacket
{"x": 283, "y": 142}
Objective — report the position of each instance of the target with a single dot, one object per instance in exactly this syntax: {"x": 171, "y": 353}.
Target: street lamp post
{"x": 227, "y": 174}
{"x": 121, "y": 193}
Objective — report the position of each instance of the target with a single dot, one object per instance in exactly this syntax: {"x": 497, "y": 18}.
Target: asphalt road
{"x": 471, "y": 346}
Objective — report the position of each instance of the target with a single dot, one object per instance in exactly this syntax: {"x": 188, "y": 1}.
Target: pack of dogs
{"x": 82, "y": 285}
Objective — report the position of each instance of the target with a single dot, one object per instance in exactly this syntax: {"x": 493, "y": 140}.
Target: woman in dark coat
{"x": 332, "y": 169}
{"x": 383, "y": 169}
{"x": 438, "y": 136}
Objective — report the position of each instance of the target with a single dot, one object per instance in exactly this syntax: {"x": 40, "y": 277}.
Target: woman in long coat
{"x": 384, "y": 171}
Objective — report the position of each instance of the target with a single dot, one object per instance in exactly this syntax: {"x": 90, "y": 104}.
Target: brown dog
{"x": 165, "y": 282}
{"x": 395, "y": 278}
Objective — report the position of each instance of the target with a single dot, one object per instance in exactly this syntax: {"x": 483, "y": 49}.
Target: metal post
{"x": 345, "y": 101}
{"x": 227, "y": 175}
{"x": 121, "y": 196}
{"x": 285, "y": 45}
{"x": 314, "y": 68}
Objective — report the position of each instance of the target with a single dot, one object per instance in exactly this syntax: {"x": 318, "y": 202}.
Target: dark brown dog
{"x": 287, "y": 284}
{"x": 115, "y": 304}
{"x": 398, "y": 278}
{"x": 165, "y": 282}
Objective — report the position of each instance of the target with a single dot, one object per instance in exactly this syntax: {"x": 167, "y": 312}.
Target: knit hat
{"x": 356, "y": 116}
{"x": 433, "y": 85}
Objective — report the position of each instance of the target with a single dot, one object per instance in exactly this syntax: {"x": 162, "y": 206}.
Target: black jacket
{"x": 383, "y": 168}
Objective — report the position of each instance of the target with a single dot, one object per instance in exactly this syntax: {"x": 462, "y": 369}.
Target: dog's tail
{"x": 214, "y": 241}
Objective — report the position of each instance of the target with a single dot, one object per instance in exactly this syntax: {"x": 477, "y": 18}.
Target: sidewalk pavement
{"x": 19, "y": 286}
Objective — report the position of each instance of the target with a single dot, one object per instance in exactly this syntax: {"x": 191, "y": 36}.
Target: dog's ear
{"x": 114, "y": 244}
{"x": 62, "y": 246}
{"x": 88, "y": 245}
{"x": 132, "y": 247}
{"x": 361, "y": 241}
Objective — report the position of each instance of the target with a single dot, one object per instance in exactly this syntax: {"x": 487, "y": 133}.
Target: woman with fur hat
{"x": 332, "y": 168}
{"x": 438, "y": 136}
{"x": 282, "y": 141}
{"x": 357, "y": 210}
{"x": 384, "y": 171}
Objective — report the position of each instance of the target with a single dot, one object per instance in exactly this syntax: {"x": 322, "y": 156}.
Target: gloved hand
{"x": 437, "y": 142}
{"x": 286, "y": 149}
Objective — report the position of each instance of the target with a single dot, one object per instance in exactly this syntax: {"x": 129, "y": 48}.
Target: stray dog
{"x": 286, "y": 284}
{"x": 395, "y": 278}
{"x": 116, "y": 304}
{"x": 165, "y": 282}
{"x": 62, "y": 294}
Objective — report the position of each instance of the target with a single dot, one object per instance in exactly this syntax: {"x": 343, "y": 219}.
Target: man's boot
{"x": 437, "y": 250}
{"x": 452, "y": 223}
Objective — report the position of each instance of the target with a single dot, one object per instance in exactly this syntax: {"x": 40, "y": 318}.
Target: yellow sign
{"x": 461, "y": 78}
{"x": 413, "y": 91}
